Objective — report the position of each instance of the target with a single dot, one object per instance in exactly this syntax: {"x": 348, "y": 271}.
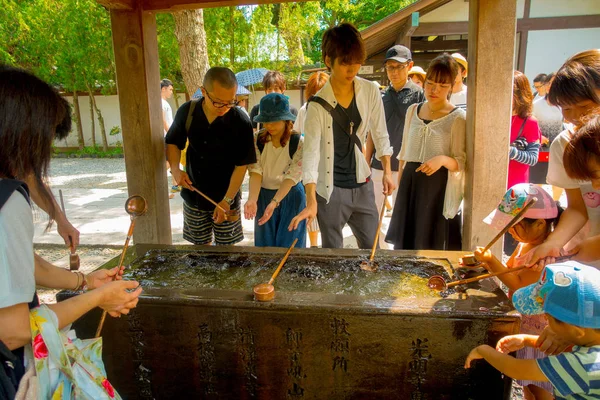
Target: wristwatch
{"x": 228, "y": 200}
{"x": 274, "y": 200}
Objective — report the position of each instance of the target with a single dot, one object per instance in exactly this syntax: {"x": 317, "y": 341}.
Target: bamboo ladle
{"x": 369, "y": 265}
{"x": 229, "y": 215}
{"x": 266, "y": 291}
{"x": 135, "y": 206}
{"x": 437, "y": 282}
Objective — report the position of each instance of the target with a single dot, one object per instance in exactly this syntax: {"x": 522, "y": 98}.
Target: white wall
{"x": 557, "y": 8}
{"x": 548, "y": 50}
{"x": 109, "y": 106}
{"x": 457, "y": 11}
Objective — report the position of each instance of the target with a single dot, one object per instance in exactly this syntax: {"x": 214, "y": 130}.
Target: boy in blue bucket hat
{"x": 276, "y": 191}
{"x": 569, "y": 295}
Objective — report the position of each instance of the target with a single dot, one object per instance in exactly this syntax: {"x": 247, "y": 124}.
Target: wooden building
{"x": 548, "y": 32}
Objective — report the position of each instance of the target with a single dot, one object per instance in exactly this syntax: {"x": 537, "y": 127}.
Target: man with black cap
{"x": 401, "y": 93}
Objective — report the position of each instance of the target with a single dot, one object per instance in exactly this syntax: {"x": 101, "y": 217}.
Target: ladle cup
{"x": 470, "y": 260}
{"x": 229, "y": 215}
{"x": 266, "y": 291}
{"x": 135, "y": 206}
{"x": 437, "y": 282}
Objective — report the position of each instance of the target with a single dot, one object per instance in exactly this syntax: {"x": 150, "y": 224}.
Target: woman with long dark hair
{"x": 432, "y": 159}
{"x": 525, "y": 133}
{"x": 32, "y": 115}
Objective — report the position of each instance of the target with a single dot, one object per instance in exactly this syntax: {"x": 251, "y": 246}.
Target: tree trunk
{"x": 100, "y": 121}
{"x": 93, "y": 123}
{"x": 77, "y": 115}
{"x": 176, "y": 98}
{"x": 189, "y": 30}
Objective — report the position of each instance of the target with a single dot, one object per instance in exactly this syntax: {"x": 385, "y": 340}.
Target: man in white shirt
{"x": 459, "y": 90}
{"x": 335, "y": 172}
{"x": 166, "y": 92}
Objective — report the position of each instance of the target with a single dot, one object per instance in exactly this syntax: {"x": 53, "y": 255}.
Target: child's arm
{"x": 513, "y": 281}
{"x": 508, "y": 365}
{"x": 588, "y": 250}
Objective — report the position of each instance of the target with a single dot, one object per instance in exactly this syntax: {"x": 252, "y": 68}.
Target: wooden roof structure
{"x": 492, "y": 27}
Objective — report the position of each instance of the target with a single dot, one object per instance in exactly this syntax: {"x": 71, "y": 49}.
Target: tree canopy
{"x": 68, "y": 42}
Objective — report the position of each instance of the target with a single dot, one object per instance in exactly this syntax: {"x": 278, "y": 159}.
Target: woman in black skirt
{"x": 433, "y": 155}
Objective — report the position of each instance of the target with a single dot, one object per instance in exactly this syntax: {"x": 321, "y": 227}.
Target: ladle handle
{"x": 511, "y": 223}
{"x": 121, "y": 260}
{"x": 381, "y": 213}
{"x": 283, "y": 260}
{"x": 485, "y": 276}
{"x": 208, "y": 198}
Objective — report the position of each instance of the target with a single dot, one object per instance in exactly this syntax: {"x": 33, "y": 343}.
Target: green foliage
{"x": 68, "y": 42}
{"x": 93, "y": 152}
{"x": 115, "y": 130}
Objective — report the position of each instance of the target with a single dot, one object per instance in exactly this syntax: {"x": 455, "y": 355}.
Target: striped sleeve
{"x": 528, "y": 156}
{"x": 566, "y": 373}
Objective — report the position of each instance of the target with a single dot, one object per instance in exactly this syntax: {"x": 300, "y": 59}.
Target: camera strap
{"x": 522, "y": 127}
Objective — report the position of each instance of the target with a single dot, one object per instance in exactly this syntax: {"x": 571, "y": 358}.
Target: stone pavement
{"x": 94, "y": 193}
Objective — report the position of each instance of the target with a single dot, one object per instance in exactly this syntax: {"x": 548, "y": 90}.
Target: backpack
{"x": 294, "y": 141}
{"x": 11, "y": 362}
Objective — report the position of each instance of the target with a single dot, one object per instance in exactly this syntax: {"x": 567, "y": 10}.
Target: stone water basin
{"x": 333, "y": 331}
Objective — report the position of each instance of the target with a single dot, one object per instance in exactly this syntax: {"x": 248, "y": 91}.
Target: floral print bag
{"x": 66, "y": 367}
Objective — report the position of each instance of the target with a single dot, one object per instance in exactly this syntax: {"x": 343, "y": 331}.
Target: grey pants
{"x": 355, "y": 207}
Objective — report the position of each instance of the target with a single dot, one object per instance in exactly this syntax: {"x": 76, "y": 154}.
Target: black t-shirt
{"x": 344, "y": 163}
{"x": 395, "y": 117}
{"x": 255, "y": 110}
{"x": 213, "y": 153}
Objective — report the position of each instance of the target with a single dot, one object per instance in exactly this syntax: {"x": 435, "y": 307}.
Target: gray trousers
{"x": 355, "y": 207}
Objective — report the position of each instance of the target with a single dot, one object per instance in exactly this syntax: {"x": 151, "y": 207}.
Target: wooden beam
{"x": 524, "y": 24}
{"x": 442, "y": 28}
{"x": 138, "y": 85}
{"x": 176, "y": 5}
{"x": 491, "y": 56}
{"x": 553, "y": 23}
{"x": 439, "y": 44}
{"x": 118, "y": 4}
{"x": 394, "y": 18}
{"x": 523, "y": 39}
{"x": 408, "y": 28}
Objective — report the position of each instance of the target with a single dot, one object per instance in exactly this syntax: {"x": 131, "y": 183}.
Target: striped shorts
{"x": 199, "y": 227}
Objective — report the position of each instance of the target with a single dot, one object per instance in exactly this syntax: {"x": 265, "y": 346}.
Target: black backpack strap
{"x": 190, "y": 116}
{"x": 294, "y": 142}
{"x": 8, "y": 186}
{"x": 340, "y": 118}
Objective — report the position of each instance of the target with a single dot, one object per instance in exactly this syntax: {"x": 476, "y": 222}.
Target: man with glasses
{"x": 401, "y": 93}
{"x": 539, "y": 86}
{"x": 221, "y": 146}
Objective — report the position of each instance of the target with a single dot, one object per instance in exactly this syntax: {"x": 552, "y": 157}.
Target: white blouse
{"x": 275, "y": 164}
{"x": 443, "y": 136}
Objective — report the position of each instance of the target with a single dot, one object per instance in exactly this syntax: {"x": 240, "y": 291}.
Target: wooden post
{"x": 492, "y": 27}
{"x": 138, "y": 85}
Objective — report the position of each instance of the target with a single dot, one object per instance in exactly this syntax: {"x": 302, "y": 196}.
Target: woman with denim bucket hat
{"x": 276, "y": 191}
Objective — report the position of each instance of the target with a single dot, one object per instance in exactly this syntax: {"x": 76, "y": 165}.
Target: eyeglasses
{"x": 538, "y": 86}
{"x": 399, "y": 68}
{"x": 219, "y": 104}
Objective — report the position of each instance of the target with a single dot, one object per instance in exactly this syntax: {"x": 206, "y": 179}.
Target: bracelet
{"x": 275, "y": 201}
{"x": 228, "y": 200}
{"x": 81, "y": 282}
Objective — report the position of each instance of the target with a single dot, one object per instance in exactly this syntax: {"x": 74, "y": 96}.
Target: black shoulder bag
{"x": 339, "y": 118}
